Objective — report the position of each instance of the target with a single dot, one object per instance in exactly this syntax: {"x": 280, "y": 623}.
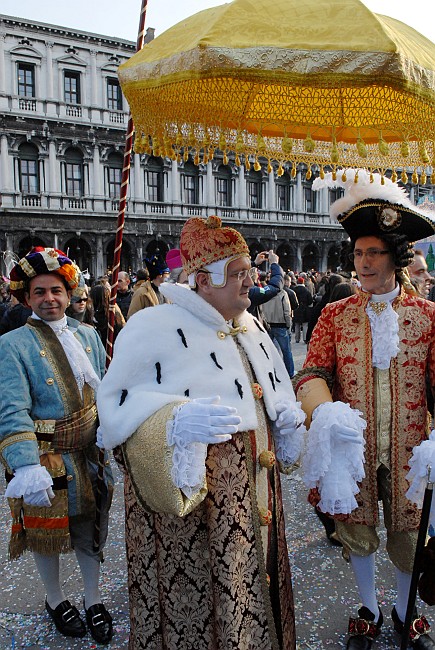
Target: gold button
{"x": 43, "y": 353}
{"x": 221, "y": 335}
{"x": 69, "y": 477}
{"x": 107, "y": 463}
{"x": 267, "y": 459}
{"x": 49, "y": 381}
{"x": 257, "y": 390}
{"x": 88, "y": 349}
{"x": 265, "y": 516}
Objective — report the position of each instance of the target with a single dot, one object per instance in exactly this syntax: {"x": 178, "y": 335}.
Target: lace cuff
{"x": 423, "y": 456}
{"x": 28, "y": 480}
{"x": 333, "y": 465}
{"x": 188, "y": 461}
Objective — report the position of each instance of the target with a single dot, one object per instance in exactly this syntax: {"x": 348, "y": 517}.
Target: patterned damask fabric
{"x": 341, "y": 346}
{"x": 199, "y": 582}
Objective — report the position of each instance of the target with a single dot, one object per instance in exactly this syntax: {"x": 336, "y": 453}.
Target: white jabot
{"x": 384, "y": 323}
{"x": 79, "y": 362}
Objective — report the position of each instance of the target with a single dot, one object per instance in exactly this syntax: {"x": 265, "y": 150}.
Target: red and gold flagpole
{"x": 115, "y": 268}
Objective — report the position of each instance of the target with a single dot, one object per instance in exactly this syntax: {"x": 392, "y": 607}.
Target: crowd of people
{"x": 203, "y": 421}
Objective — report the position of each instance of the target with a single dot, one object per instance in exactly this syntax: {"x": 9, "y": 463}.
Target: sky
{"x": 121, "y": 18}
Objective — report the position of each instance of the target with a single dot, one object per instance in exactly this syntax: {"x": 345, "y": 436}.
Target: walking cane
{"x": 421, "y": 541}
{"x": 114, "y": 279}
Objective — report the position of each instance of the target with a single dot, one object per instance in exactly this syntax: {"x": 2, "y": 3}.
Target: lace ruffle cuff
{"x": 423, "y": 458}
{"x": 188, "y": 461}
{"x": 333, "y": 465}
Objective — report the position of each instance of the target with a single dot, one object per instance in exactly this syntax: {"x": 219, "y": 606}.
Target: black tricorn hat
{"x": 373, "y": 205}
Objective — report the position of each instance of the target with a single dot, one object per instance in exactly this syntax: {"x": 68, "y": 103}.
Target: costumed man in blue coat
{"x": 51, "y": 369}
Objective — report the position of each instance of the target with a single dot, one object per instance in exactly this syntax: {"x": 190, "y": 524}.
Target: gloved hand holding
{"x": 290, "y": 417}
{"x": 346, "y": 434}
{"x": 204, "y": 420}
{"x": 349, "y": 425}
{"x": 33, "y": 483}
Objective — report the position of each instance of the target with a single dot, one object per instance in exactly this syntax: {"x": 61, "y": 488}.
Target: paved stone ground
{"x": 323, "y": 584}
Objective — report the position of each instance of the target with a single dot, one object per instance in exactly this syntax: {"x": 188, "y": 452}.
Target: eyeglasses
{"x": 240, "y": 275}
{"x": 371, "y": 254}
{"x": 81, "y": 300}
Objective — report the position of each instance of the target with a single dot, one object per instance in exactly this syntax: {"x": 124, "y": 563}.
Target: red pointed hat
{"x": 204, "y": 241}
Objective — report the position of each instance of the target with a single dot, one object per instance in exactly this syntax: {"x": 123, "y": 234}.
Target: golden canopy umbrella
{"x": 318, "y": 82}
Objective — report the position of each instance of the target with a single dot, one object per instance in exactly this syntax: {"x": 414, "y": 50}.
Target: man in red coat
{"x": 363, "y": 386}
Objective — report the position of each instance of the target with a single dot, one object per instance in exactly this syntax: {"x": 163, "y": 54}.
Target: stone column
{"x": 99, "y": 268}
{"x": 210, "y": 197}
{"x": 139, "y": 189}
{"x": 176, "y": 188}
{"x": 97, "y": 172}
{"x": 299, "y": 193}
{"x": 6, "y": 162}
{"x": 271, "y": 194}
{"x": 93, "y": 98}
{"x": 2, "y": 64}
{"x": 241, "y": 186}
{"x": 54, "y": 181}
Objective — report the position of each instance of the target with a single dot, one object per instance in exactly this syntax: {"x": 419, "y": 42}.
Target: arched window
{"x": 28, "y": 168}
{"x": 223, "y": 186}
{"x": 74, "y": 181}
{"x": 154, "y": 179}
{"x": 190, "y": 183}
{"x": 114, "y": 174}
{"x": 284, "y": 192}
{"x": 254, "y": 189}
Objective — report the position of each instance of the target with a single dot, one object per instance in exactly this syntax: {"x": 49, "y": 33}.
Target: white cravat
{"x": 384, "y": 323}
{"x": 79, "y": 362}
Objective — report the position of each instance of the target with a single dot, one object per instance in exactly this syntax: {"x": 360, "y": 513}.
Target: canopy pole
{"x": 115, "y": 270}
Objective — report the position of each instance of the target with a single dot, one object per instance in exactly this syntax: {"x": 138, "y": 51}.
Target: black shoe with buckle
{"x": 67, "y": 619}
{"x": 99, "y": 623}
{"x": 363, "y": 630}
{"x": 418, "y": 632}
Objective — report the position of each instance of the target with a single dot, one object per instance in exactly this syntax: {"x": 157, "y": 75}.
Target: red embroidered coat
{"x": 340, "y": 352}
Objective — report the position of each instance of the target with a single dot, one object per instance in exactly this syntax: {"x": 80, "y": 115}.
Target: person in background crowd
{"x": 330, "y": 282}
{"x": 418, "y": 273}
{"x": 294, "y": 302}
{"x": 81, "y": 307}
{"x": 259, "y": 293}
{"x": 142, "y": 276}
{"x": 51, "y": 369}
{"x": 206, "y": 552}
{"x": 100, "y": 297}
{"x": 5, "y": 298}
{"x": 148, "y": 294}
{"x": 14, "y": 317}
{"x": 277, "y": 313}
{"x": 124, "y": 294}
{"x": 363, "y": 387}
{"x": 301, "y": 314}
{"x": 175, "y": 266}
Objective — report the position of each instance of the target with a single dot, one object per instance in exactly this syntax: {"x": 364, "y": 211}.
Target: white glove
{"x": 99, "y": 440}
{"x": 340, "y": 432}
{"x": 290, "y": 417}
{"x": 33, "y": 483}
{"x": 289, "y": 432}
{"x": 204, "y": 420}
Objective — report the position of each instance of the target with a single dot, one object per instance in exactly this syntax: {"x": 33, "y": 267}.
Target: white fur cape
{"x": 172, "y": 353}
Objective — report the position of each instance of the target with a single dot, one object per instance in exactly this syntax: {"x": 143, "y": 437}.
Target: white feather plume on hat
{"x": 362, "y": 189}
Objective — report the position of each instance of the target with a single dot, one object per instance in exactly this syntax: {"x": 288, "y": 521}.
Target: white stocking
{"x": 403, "y": 581}
{"x": 90, "y": 570}
{"x": 364, "y": 570}
{"x": 48, "y": 568}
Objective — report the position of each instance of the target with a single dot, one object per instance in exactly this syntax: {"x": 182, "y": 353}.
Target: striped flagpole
{"x": 115, "y": 270}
